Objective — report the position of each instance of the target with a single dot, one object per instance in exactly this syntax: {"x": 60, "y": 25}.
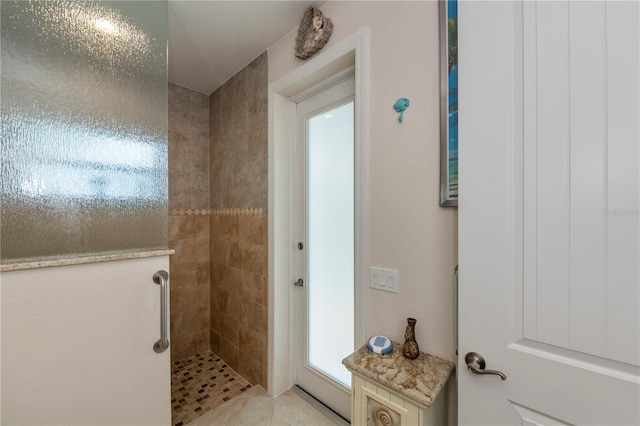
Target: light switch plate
{"x": 384, "y": 279}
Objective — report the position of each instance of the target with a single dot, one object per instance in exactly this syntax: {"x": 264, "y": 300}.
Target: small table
{"x": 392, "y": 390}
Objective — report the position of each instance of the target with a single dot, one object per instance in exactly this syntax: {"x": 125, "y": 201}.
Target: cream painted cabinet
{"x": 391, "y": 390}
{"x": 375, "y": 404}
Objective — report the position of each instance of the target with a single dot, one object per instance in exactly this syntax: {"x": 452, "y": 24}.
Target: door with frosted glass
{"x": 324, "y": 249}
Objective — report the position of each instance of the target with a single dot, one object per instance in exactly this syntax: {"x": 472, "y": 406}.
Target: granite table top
{"x": 419, "y": 380}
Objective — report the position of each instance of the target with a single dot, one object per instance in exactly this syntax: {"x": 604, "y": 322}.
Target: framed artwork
{"x": 448, "y": 103}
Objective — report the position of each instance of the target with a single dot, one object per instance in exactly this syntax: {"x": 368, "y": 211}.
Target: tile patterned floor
{"x": 201, "y": 383}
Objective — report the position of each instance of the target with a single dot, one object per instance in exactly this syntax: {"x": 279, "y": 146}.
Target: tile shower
{"x": 218, "y": 222}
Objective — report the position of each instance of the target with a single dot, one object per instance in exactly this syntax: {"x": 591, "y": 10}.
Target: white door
{"x": 549, "y": 223}
{"x": 325, "y": 244}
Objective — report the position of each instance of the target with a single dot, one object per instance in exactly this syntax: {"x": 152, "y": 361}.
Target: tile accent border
{"x": 218, "y": 212}
{"x": 237, "y": 212}
{"x": 189, "y": 212}
{"x": 46, "y": 263}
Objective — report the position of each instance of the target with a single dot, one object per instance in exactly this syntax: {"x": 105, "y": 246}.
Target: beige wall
{"x": 238, "y": 298}
{"x": 188, "y": 149}
{"x": 189, "y": 228}
{"x": 408, "y": 231}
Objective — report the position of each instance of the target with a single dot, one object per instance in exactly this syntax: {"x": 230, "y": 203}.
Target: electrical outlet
{"x": 384, "y": 279}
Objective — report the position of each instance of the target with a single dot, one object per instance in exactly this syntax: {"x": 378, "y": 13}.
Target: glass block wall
{"x": 84, "y": 128}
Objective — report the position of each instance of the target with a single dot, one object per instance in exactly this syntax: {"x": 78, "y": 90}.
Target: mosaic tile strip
{"x": 189, "y": 212}
{"x": 237, "y": 212}
{"x": 201, "y": 383}
{"x": 217, "y": 212}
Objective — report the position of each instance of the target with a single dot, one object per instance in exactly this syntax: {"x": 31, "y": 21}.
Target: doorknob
{"x": 475, "y": 364}
{"x": 299, "y": 283}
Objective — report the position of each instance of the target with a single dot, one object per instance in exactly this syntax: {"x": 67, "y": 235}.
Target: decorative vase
{"x": 410, "y": 348}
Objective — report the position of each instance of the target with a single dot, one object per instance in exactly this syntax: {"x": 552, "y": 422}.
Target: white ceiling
{"x": 209, "y": 41}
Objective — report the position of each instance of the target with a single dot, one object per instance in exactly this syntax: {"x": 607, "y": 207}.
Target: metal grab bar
{"x": 162, "y": 278}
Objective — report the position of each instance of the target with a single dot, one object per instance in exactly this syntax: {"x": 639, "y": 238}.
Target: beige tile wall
{"x": 238, "y": 158}
{"x": 238, "y": 131}
{"x": 239, "y": 293}
{"x": 189, "y": 224}
{"x": 218, "y": 221}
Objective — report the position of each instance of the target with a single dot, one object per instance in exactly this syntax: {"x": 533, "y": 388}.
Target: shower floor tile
{"x": 201, "y": 383}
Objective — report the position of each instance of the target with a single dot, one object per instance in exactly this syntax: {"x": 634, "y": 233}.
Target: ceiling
{"x": 209, "y": 41}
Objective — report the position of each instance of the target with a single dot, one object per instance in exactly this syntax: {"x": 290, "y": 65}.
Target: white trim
{"x": 362, "y": 183}
{"x": 282, "y": 94}
{"x": 325, "y": 84}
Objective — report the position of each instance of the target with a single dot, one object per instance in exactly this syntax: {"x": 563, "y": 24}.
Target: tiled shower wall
{"x": 218, "y": 221}
{"x": 238, "y": 150}
{"x": 189, "y": 224}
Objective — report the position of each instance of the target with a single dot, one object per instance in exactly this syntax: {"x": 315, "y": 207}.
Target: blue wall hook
{"x": 400, "y": 105}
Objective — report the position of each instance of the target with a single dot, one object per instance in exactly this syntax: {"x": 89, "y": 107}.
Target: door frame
{"x": 349, "y": 56}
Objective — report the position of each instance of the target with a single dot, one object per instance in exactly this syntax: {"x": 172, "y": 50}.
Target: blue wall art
{"x": 449, "y": 103}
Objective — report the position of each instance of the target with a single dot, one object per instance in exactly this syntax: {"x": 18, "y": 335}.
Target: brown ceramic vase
{"x": 410, "y": 348}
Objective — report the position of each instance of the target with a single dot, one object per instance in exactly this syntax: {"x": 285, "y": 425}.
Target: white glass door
{"x": 325, "y": 244}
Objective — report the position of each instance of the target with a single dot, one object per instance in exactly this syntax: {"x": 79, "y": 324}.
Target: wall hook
{"x": 400, "y": 105}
